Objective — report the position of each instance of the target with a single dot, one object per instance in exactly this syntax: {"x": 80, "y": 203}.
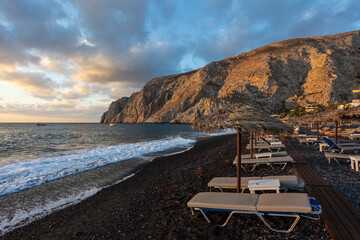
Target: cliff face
{"x": 286, "y": 74}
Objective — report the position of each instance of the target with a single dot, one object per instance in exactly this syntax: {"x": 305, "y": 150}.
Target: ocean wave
{"x": 22, "y": 217}
{"x": 17, "y": 176}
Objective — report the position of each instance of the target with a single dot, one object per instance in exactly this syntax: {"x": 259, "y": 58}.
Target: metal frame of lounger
{"x": 258, "y": 155}
{"x": 255, "y": 164}
{"x": 271, "y": 148}
{"x": 315, "y": 210}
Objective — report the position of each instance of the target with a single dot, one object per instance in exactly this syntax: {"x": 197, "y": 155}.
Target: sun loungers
{"x": 335, "y": 156}
{"x": 355, "y": 148}
{"x": 254, "y": 162}
{"x": 271, "y": 148}
{"x": 354, "y": 136}
{"x": 262, "y": 155}
{"x": 294, "y": 205}
{"x": 267, "y": 145}
{"x": 286, "y": 182}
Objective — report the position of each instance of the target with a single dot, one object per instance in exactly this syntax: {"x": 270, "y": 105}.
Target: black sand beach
{"x": 152, "y": 204}
{"x": 341, "y": 176}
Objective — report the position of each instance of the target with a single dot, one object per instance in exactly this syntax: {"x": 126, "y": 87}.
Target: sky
{"x": 67, "y": 60}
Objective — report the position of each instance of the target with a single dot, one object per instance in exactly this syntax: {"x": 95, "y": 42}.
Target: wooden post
{"x": 256, "y": 135}
{"x": 336, "y": 130}
{"x": 307, "y": 129}
{"x": 251, "y": 145}
{"x": 317, "y": 130}
{"x": 238, "y": 182}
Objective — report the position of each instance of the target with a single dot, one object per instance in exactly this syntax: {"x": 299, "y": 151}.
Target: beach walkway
{"x": 341, "y": 218}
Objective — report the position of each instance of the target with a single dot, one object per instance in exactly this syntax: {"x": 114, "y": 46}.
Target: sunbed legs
{"x": 260, "y": 215}
{"x": 254, "y": 166}
{"x": 334, "y": 160}
{"x": 202, "y": 212}
{"x": 296, "y": 216}
{"x": 270, "y": 165}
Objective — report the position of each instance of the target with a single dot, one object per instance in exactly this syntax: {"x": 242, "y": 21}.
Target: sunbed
{"x": 294, "y": 205}
{"x": 270, "y": 148}
{"x": 342, "y": 148}
{"x": 262, "y": 155}
{"x": 284, "y": 160}
{"x": 286, "y": 182}
{"x": 349, "y": 132}
{"x": 308, "y": 140}
{"x": 335, "y": 156}
{"x": 271, "y": 141}
{"x": 354, "y": 136}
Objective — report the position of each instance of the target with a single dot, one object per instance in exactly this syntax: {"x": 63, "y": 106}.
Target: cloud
{"x": 88, "y": 50}
{"x": 252, "y": 24}
{"x": 36, "y": 84}
{"x": 67, "y": 110}
{"x": 138, "y": 64}
{"x": 36, "y": 24}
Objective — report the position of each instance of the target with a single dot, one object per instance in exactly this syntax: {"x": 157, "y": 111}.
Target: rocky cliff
{"x": 283, "y": 75}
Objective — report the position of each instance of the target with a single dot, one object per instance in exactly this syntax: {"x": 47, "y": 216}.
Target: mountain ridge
{"x": 281, "y": 75}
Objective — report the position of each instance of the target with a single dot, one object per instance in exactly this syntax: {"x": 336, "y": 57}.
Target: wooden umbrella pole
{"x": 317, "y": 130}
{"x": 238, "y": 182}
{"x": 251, "y": 145}
{"x": 336, "y": 130}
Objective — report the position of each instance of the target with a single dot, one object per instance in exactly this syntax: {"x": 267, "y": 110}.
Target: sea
{"x": 46, "y": 168}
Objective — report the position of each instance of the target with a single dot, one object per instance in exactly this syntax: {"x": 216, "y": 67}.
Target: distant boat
{"x": 41, "y": 124}
{"x": 112, "y": 124}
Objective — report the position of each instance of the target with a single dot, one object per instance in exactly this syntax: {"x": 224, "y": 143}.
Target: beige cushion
{"x": 277, "y": 146}
{"x": 255, "y": 160}
{"x": 281, "y": 159}
{"x": 243, "y": 157}
{"x": 284, "y": 202}
{"x": 279, "y": 154}
{"x": 247, "y": 156}
{"x": 230, "y": 182}
{"x": 336, "y": 155}
{"x": 286, "y": 181}
{"x": 222, "y": 200}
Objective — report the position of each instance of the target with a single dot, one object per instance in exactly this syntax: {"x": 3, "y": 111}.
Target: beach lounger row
{"x": 342, "y": 148}
{"x": 295, "y": 205}
{"x": 270, "y": 148}
{"x": 261, "y": 155}
{"x": 289, "y": 205}
{"x": 336, "y": 156}
{"x": 286, "y": 182}
{"x": 269, "y": 161}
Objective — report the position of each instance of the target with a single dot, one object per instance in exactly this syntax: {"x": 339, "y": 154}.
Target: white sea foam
{"x": 17, "y": 176}
{"x": 23, "y": 217}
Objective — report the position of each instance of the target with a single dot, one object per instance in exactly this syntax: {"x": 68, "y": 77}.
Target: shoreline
{"x": 152, "y": 203}
{"x": 23, "y": 207}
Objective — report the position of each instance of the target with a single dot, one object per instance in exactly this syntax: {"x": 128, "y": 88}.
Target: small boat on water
{"x": 112, "y": 124}
{"x": 41, "y": 124}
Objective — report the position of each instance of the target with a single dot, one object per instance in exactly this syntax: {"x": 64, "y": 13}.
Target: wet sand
{"x": 152, "y": 204}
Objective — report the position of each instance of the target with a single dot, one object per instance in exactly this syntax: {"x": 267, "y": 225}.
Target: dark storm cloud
{"x": 130, "y": 42}
{"x": 119, "y": 29}
{"x": 37, "y": 24}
